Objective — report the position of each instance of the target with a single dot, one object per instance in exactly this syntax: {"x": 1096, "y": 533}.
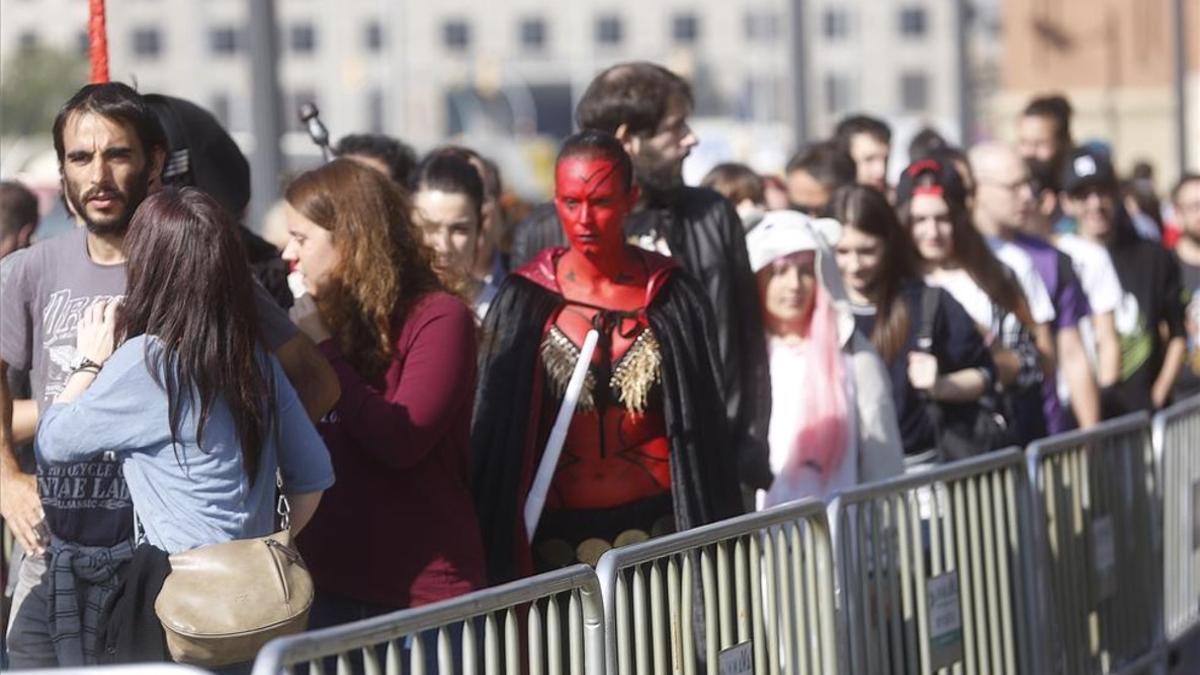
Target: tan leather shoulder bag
{"x": 222, "y": 602}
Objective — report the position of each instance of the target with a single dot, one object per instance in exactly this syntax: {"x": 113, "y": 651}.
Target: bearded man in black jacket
{"x": 645, "y": 106}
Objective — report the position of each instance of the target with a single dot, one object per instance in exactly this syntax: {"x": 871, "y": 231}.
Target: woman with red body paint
{"x": 647, "y": 448}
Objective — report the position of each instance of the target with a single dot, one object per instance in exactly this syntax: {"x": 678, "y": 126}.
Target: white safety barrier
{"x": 933, "y": 571}
{"x": 1099, "y": 539}
{"x": 544, "y": 625}
{"x": 1176, "y": 438}
{"x": 749, "y": 594}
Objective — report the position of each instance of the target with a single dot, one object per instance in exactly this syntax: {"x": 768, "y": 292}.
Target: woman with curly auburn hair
{"x": 399, "y": 529}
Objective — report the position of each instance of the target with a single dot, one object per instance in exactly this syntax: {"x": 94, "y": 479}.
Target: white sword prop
{"x": 558, "y": 436}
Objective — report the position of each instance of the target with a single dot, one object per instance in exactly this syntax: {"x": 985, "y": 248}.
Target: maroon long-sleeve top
{"x": 399, "y": 527}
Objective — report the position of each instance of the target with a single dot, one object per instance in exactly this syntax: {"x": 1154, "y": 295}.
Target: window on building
{"x": 373, "y": 36}
{"x": 762, "y": 26}
{"x": 220, "y": 108}
{"x": 456, "y": 35}
{"x": 912, "y": 22}
{"x": 914, "y": 92}
{"x": 685, "y": 29}
{"x": 223, "y": 41}
{"x": 375, "y": 110}
{"x": 533, "y": 34}
{"x": 609, "y": 30}
{"x": 147, "y": 42}
{"x": 303, "y": 38}
{"x": 762, "y": 99}
{"x": 839, "y": 93}
{"x": 835, "y": 24}
{"x": 27, "y": 41}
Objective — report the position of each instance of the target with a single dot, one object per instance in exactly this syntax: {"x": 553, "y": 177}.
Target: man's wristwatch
{"x": 81, "y": 362}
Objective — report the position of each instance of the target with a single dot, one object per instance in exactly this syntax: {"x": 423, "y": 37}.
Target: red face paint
{"x": 592, "y": 202}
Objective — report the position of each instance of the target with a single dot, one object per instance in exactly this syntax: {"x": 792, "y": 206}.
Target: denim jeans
{"x": 28, "y": 639}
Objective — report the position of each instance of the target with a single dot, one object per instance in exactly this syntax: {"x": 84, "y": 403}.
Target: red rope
{"x": 97, "y": 41}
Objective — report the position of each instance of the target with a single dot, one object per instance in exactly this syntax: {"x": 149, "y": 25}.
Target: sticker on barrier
{"x": 737, "y": 660}
{"x": 1104, "y": 557}
{"x": 945, "y": 620}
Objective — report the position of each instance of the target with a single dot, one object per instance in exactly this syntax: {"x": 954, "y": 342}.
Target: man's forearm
{"x": 24, "y": 420}
{"x": 1172, "y": 365}
{"x": 1085, "y": 395}
{"x": 8, "y": 457}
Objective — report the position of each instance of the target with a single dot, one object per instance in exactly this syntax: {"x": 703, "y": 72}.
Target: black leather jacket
{"x": 702, "y": 231}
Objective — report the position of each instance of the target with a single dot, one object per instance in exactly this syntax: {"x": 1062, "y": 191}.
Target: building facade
{"x": 515, "y": 68}
{"x": 1115, "y": 61}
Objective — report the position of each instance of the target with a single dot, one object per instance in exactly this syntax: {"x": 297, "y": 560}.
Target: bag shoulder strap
{"x": 930, "y": 300}
{"x": 282, "y": 508}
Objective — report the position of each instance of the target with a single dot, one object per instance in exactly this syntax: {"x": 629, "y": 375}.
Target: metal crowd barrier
{"x": 1096, "y": 522}
{"x": 933, "y": 570}
{"x": 127, "y": 669}
{"x": 1176, "y": 438}
{"x": 753, "y": 593}
{"x": 544, "y": 625}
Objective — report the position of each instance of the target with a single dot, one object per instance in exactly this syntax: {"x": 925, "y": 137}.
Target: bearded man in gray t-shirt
{"x": 111, "y": 150}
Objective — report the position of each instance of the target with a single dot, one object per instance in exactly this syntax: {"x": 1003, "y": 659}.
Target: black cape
{"x": 706, "y": 237}
{"x": 506, "y": 444}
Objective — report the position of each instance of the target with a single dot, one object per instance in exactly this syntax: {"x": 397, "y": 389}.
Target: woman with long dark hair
{"x": 953, "y": 255}
{"x": 947, "y": 367}
{"x": 200, "y": 413}
{"x": 404, "y": 352}
{"x": 447, "y": 208}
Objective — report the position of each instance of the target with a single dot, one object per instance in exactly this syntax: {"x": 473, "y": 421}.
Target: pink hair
{"x": 822, "y": 438}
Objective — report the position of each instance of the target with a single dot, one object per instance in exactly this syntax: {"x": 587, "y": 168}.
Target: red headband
{"x": 931, "y": 190}
{"x": 921, "y": 166}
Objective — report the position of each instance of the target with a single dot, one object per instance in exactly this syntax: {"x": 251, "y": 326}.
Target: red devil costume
{"x": 648, "y": 449}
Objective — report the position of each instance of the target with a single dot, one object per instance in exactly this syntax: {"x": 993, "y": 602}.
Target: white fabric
{"x": 782, "y": 233}
{"x": 1100, "y": 284}
{"x": 1041, "y": 308}
{"x": 874, "y": 445}
{"x": 963, "y": 288}
{"x": 1095, "y": 270}
{"x": 874, "y": 449}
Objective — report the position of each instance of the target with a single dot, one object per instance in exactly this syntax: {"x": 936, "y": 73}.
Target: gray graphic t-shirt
{"x": 41, "y": 302}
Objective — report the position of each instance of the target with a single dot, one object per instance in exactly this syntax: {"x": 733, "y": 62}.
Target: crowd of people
{"x": 450, "y": 391}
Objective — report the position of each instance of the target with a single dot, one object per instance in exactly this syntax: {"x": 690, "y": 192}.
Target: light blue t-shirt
{"x": 190, "y": 494}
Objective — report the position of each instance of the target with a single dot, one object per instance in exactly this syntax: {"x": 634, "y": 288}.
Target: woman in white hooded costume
{"x": 833, "y": 424}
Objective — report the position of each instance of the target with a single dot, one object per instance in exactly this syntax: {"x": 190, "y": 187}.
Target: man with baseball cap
{"x": 1150, "y": 317}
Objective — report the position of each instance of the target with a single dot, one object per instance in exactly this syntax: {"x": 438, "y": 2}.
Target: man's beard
{"x": 130, "y": 199}
{"x": 656, "y": 176}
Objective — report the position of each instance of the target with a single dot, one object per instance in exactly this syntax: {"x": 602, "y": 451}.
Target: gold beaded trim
{"x": 632, "y": 379}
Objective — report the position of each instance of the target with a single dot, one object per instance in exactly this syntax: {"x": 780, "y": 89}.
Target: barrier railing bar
{"x": 1176, "y": 467}
{"x": 946, "y": 473}
{"x": 972, "y": 516}
{"x": 1066, "y": 441}
{"x": 314, "y": 645}
{"x": 1107, "y": 472}
{"x": 734, "y": 610}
